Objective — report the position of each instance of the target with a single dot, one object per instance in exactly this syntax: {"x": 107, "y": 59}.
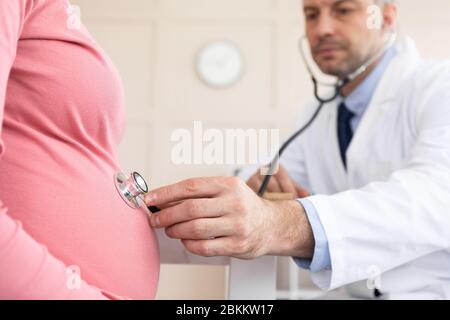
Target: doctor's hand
{"x": 222, "y": 216}
{"x": 280, "y": 182}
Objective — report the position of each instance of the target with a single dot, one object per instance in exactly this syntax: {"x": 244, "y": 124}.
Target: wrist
{"x": 291, "y": 231}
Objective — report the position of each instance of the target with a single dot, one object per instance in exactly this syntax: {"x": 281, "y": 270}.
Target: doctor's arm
{"x": 282, "y": 182}
{"x": 222, "y": 216}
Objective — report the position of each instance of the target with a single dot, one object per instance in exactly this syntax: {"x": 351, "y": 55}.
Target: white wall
{"x": 154, "y": 43}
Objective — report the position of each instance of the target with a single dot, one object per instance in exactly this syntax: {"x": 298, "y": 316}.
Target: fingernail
{"x": 154, "y": 220}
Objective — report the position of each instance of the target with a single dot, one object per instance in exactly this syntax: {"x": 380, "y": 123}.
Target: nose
{"x": 325, "y": 25}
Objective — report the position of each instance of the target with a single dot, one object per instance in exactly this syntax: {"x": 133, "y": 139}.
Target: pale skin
{"x": 223, "y": 216}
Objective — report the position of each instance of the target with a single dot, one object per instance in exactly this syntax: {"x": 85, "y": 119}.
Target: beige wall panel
{"x": 180, "y": 89}
{"x": 120, "y": 9}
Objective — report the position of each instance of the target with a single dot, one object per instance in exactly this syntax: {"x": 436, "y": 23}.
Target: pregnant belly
{"x": 75, "y": 211}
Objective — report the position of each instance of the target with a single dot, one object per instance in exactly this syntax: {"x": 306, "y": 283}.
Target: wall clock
{"x": 220, "y": 64}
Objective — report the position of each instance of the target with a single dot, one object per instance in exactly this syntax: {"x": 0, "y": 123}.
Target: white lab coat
{"x": 390, "y": 211}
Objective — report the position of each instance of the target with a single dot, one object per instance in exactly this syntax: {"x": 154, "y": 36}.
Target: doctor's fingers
{"x": 285, "y": 181}
{"x": 301, "y": 192}
{"x": 188, "y": 189}
{"x": 273, "y": 185}
{"x": 255, "y": 182}
{"x": 168, "y": 205}
{"x": 186, "y": 211}
{"x": 201, "y": 229}
{"x": 225, "y": 246}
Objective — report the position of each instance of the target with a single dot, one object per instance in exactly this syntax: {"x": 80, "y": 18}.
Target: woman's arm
{"x": 27, "y": 269}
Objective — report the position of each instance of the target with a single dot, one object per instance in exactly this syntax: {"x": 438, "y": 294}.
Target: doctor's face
{"x": 339, "y": 35}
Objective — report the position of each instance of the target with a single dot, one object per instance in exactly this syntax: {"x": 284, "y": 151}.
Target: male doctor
{"x": 377, "y": 160}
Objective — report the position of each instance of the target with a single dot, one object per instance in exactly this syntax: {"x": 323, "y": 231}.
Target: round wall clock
{"x": 220, "y": 64}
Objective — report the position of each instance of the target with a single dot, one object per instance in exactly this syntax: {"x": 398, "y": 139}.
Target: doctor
{"x": 377, "y": 160}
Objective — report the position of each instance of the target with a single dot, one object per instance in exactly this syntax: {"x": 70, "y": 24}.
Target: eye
{"x": 344, "y": 11}
{"x": 310, "y": 16}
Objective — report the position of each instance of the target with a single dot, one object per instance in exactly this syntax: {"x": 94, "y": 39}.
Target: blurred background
{"x": 155, "y": 45}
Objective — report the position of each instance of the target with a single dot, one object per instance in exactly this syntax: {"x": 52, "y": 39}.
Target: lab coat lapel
{"x": 384, "y": 96}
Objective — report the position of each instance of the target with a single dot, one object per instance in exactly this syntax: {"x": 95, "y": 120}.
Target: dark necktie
{"x": 345, "y": 132}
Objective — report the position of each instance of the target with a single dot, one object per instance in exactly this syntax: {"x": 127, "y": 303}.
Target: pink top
{"x": 61, "y": 104}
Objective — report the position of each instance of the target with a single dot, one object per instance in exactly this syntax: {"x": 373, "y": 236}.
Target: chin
{"x": 329, "y": 66}
{"x": 330, "y": 70}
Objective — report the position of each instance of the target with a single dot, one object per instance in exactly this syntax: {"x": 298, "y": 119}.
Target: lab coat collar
{"x": 358, "y": 101}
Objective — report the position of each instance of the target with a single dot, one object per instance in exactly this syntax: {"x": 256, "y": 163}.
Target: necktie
{"x": 345, "y": 132}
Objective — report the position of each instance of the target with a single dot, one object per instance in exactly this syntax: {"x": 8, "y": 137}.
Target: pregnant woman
{"x": 65, "y": 232}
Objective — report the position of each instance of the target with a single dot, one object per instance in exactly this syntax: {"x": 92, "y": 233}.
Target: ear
{"x": 389, "y": 17}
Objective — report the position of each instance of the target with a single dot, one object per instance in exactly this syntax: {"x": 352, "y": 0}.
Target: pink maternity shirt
{"x": 62, "y": 114}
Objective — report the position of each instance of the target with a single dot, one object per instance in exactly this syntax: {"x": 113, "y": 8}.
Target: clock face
{"x": 220, "y": 64}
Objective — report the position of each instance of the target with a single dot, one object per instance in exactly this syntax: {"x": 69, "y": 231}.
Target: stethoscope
{"x": 132, "y": 190}
{"x": 338, "y": 86}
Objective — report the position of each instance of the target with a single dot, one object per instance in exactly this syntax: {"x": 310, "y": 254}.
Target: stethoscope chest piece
{"x": 131, "y": 189}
